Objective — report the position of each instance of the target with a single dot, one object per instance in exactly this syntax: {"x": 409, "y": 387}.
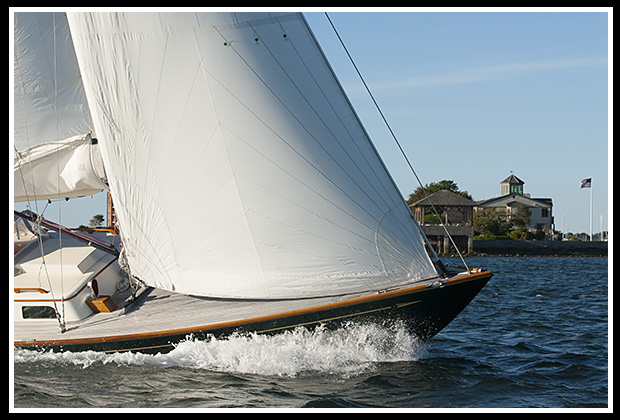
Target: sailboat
{"x": 248, "y": 195}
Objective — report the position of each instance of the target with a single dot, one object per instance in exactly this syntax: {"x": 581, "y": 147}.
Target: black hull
{"x": 425, "y": 309}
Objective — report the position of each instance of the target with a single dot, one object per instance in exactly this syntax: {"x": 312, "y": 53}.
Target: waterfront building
{"x": 456, "y": 216}
{"x": 512, "y": 196}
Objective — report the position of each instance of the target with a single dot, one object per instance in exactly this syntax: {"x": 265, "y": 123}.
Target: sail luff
{"x": 237, "y": 120}
{"x": 391, "y": 188}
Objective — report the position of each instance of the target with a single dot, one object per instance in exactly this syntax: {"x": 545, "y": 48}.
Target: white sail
{"x": 59, "y": 169}
{"x": 237, "y": 166}
{"x": 54, "y": 154}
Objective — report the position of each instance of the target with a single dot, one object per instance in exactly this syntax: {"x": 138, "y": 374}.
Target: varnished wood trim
{"x": 29, "y": 289}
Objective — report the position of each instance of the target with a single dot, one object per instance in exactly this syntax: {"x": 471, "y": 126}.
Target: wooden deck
{"x": 161, "y": 311}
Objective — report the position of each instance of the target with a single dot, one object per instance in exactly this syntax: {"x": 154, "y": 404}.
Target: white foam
{"x": 348, "y": 350}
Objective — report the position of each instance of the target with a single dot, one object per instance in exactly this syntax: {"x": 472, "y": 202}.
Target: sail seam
{"x": 302, "y": 126}
{"x": 388, "y": 191}
{"x": 325, "y": 125}
{"x": 205, "y": 74}
{"x": 301, "y": 207}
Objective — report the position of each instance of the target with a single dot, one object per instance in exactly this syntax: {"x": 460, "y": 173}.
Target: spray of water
{"x": 348, "y": 350}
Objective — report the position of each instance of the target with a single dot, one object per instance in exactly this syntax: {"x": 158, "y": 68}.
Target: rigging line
{"x": 20, "y": 159}
{"x": 61, "y": 320}
{"x": 36, "y": 229}
{"x": 394, "y": 136}
{"x": 265, "y": 44}
{"x": 366, "y": 136}
{"x": 336, "y": 114}
{"x": 283, "y": 140}
{"x": 442, "y": 267}
{"x": 378, "y": 175}
{"x": 36, "y": 226}
{"x": 304, "y": 125}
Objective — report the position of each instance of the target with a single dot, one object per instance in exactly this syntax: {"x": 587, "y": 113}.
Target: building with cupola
{"x": 513, "y": 196}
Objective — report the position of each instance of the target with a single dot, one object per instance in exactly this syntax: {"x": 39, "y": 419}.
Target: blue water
{"x": 535, "y": 337}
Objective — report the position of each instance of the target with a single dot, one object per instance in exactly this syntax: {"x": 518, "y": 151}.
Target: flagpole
{"x": 587, "y": 183}
{"x": 590, "y": 207}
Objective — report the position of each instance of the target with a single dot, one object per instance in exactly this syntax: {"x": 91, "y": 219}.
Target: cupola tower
{"x": 512, "y": 185}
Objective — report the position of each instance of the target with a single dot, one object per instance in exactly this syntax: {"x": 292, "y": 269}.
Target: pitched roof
{"x": 444, "y": 198}
{"x": 512, "y": 180}
{"x": 516, "y": 198}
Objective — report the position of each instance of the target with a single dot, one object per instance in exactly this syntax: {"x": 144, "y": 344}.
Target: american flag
{"x": 586, "y": 183}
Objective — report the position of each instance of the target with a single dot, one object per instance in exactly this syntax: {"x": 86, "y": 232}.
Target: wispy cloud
{"x": 483, "y": 74}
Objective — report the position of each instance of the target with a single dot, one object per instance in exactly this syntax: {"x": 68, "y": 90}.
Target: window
{"x": 518, "y": 189}
{"x": 38, "y": 312}
{"x": 544, "y": 212}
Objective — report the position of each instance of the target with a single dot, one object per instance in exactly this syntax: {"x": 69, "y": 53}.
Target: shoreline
{"x": 481, "y": 254}
{"x": 514, "y": 248}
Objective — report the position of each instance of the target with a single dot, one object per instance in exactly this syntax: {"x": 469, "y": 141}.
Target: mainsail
{"x": 55, "y": 156}
{"x": 236, "y": 163}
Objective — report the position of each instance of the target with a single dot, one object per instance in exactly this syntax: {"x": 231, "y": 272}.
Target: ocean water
{"x": 535, "y": 337}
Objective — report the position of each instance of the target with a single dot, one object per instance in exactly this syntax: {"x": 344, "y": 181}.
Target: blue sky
{"x": 473, "y": 96}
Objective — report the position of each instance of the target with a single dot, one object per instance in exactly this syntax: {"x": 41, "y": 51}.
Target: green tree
{"x": 96, "y": 221}
{"x": 433, "y": 187}
{"x": 491, "y": 224}
{"x": 520, "y": 220}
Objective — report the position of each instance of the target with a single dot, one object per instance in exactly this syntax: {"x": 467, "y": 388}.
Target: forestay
{"x": 237, "y": 166}
{"x": 54, "y": 154}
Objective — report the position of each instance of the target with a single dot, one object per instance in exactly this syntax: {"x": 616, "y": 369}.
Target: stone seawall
{"x": 540, "y": 248}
